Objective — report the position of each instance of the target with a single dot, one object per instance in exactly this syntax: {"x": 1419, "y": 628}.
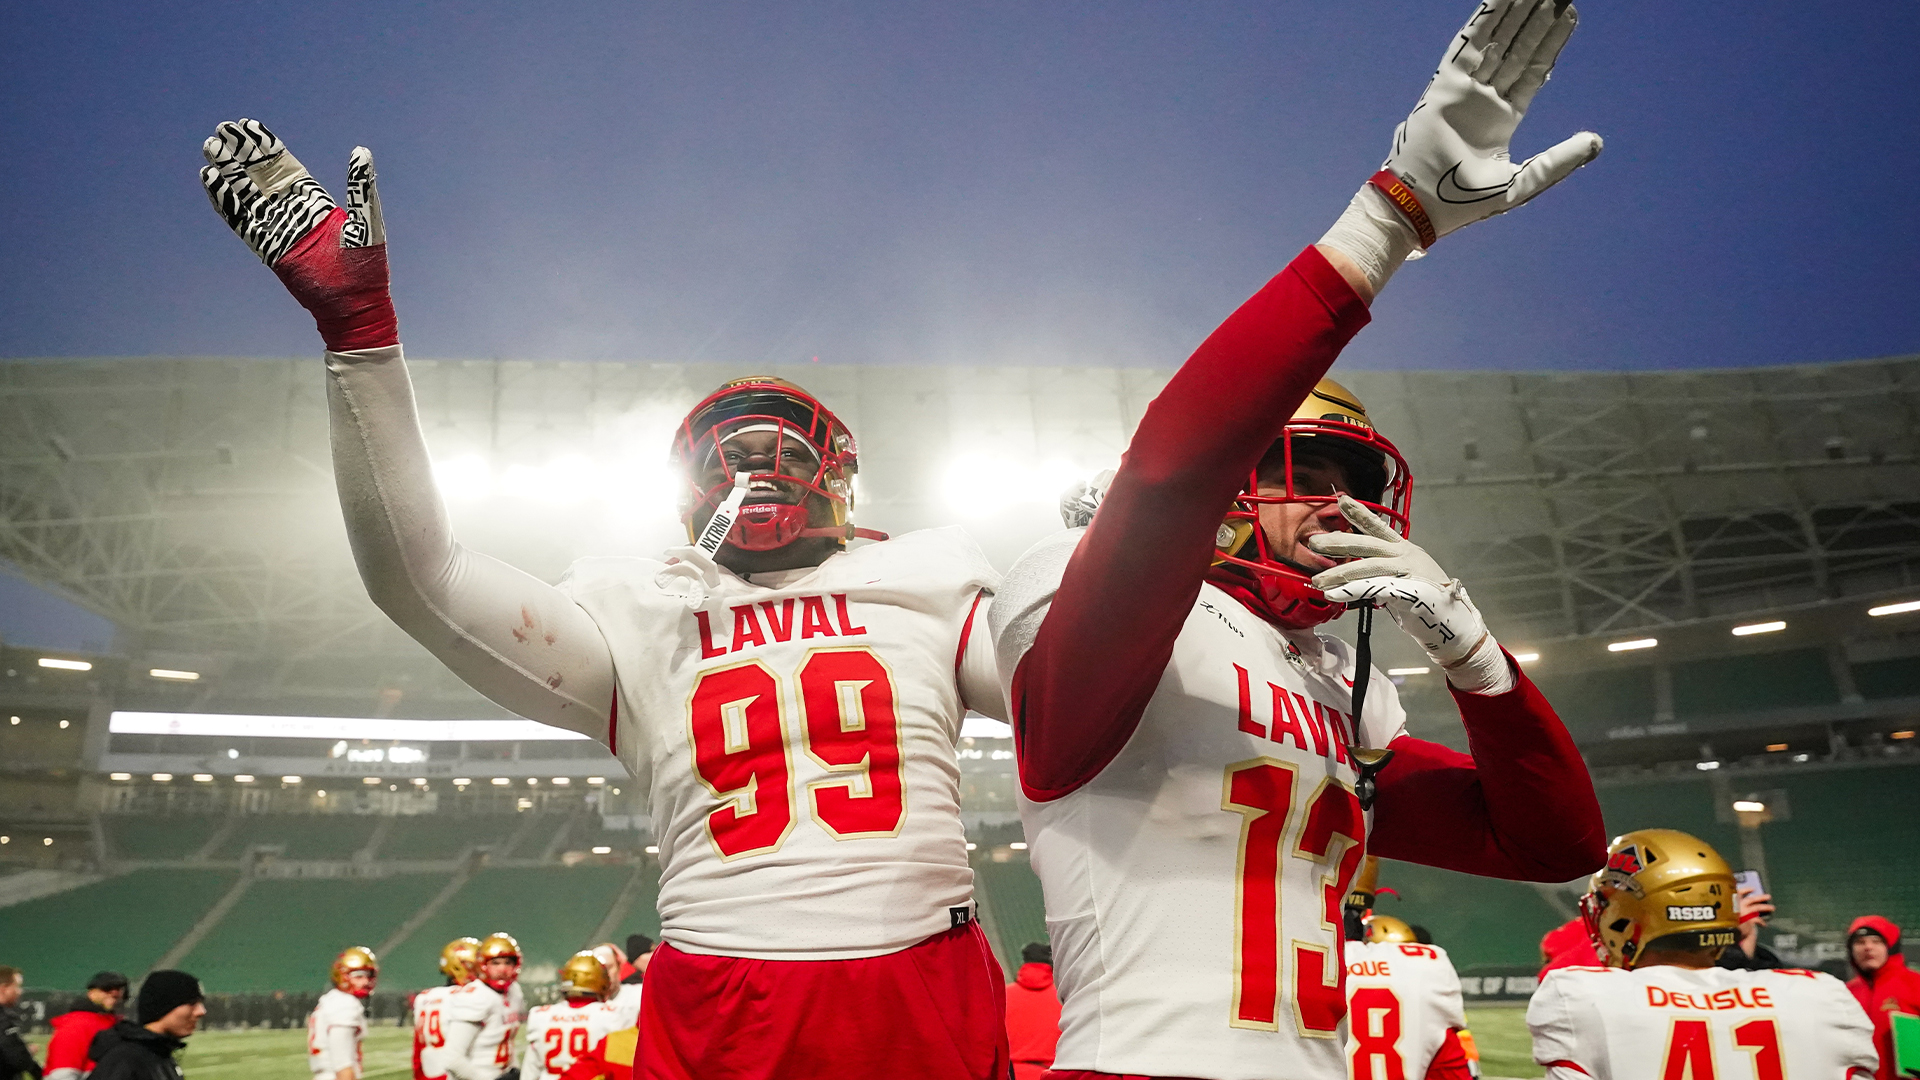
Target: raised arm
{"x": 509, "y": 635}
{"x": 1085, "y": 667}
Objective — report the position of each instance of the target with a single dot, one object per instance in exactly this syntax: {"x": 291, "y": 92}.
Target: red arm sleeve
{"x": 1079, "y": 691}
{"x": 1450, "y": 1062}
{"x": 1521, "y": 807}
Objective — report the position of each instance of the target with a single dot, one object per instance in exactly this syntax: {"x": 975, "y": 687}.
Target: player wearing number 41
{"x": 1661, "y": 912}
{"x": 1196, "y": 792}
{"x": 480, "y": 1018}
{"x": 560, "y": 1032}
{"x": 790, "y": 705}
{"x": 338, "y": 1022}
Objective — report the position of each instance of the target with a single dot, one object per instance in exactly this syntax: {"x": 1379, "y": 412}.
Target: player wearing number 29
{"x": 1661, "y": 911}
{"x": 1191, "y": 775}
{"x": 560, "y": 1032}
{"x": 791, "y": 706}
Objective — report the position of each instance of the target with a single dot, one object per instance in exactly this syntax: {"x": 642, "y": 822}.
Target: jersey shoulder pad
{"x": 949, "y": 550}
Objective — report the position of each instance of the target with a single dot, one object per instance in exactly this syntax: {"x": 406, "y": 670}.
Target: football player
{"x": 560, "y": 1032}
{"x": 481, "y": 1017}
{"x": 1405, "y": 1016}
{"x": 338, "y": 1021}
{"x": 1661, "y": 911}
{"x": 791, "y": 705}
{"x": 457, "y": 960}
{"x": 1197, "y": 767}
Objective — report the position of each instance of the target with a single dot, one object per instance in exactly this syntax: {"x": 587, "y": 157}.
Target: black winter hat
{"x": 638, "y": 945}
{"x": 1037, "y": 952}
{"x": 107, "y": 980}
{"x": 165, "y": 991}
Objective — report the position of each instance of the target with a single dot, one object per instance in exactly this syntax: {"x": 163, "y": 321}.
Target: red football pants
{"x": 935, "y": 1011}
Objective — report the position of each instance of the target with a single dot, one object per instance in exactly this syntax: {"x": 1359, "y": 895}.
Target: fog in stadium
{"x": 1664, "y": 423}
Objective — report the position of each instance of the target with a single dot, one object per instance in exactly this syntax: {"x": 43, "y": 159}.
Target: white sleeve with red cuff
{"x": 517, "y": 639}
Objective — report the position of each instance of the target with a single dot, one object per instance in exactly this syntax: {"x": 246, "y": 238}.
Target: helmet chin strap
{"x": 721, "y": 523}
{"x": 1370, "y": 759}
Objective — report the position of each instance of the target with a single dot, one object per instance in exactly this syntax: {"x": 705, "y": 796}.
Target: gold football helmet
{"x": 355, "y": 958}
{"x": 459, "y": 960}
{"x": 583, "y": 975}
{"x": 1661, "y": 889}
{"x": 1386, "y": 928}
{"x": 497, "y": 946}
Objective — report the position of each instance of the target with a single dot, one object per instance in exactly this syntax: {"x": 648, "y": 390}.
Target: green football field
{"x": 264, "y": 1054}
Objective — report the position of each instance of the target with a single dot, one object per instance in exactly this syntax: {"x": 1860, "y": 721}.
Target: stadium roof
{"x": 191, "y": 500}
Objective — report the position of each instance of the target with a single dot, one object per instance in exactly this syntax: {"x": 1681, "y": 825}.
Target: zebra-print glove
{"x": 333, "y": 261}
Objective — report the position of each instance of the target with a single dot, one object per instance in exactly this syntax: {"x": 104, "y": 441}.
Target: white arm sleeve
{"x": 340, "y": 1047}
{"x": 460, "y": 1035}
{"x": 507, "y": 634}
{"x": 978, "y": 674}
{"x": 531, "y": 1067}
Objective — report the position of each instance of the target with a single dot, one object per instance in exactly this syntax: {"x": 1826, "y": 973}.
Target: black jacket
{"x": 1763, "y": 959}
{"x": 127, "y": 1051}
{"x": 15, "y": 1059}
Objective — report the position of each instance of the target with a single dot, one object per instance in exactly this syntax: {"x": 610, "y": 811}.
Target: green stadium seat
{"x": 285, "y": 932}
{"x": 1591, "y": 702}
{"x": 124, "y": 923}
{"x": 1878, "y": 679}
{"x": 305, "y": 836}
{"x": 138, "y": 836}
{"x": 1758, "y": 682}
{"x": 445, "y": 836}
{"x": 1477, "y": 920}
{"x": 550, "y": 910}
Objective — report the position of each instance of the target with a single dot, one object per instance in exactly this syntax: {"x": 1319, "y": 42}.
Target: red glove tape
{"x": 345, "y": 289}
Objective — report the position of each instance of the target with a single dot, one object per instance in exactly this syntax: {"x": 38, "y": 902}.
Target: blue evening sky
{"x": 978, "y": 183}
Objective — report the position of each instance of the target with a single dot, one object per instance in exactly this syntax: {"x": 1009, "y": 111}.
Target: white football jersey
{"x": 1402, "y": 999}
{"x": 499, "y": 1018}
{"x": 1611, "y": 1024}
{"x": 559, "y": 1033}
{"x": 334, "y": 1029}
{"x": 797, "y": 735}
{"x": 1194, "y": 887}
{"x": 429, "y": 1032}
{"x": 626, "y": 1006}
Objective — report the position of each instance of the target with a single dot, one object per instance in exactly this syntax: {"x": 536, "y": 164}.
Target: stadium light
{"x": 1636, "y": 643}
{"x": 462, "y": 781}
{"x": 289, "y": 779}
{"x": 1018, "y": 845}
{"x": 243, "y": 778}
{"x": 1706, "y": 766}
{"x": 1408, "y": 670}
{"x": 64, "y": 724}
{"x": 370, "y": 781}
{"x": 322, "y": 793}
{"x": 971, "y": 846}
{"x": 651, "y": 849}
{"x": 1775, "y": 747}
{"x": 373, "y": 729}
{"x": 6, "y": 839}
{"x": 120, "y": 776}
{"x": 562, "y": 781}
{"x": 46, "y": 841}
{"x": 1749, "y": 806}
{"x": 65, "y": 665}
{"x": 176, "y": 676}
{"x": 501, "y": 781}
{"x": 533, "y": 781}
{"x": 162, "y": 777}
{"x": 1900, "y": 608}
{"x": 1802, "y": 758}
{"x": 419, "y": 781}
{"x": 1903, "y": 734}
{"x": 603, "y": 851}
{"x": 1759, "y": 628}
{"x": 1526, "y": 657}
{"x": 203, "y": 778}
{"x": 14, "y": 720}
{"x": 596, "y": 780}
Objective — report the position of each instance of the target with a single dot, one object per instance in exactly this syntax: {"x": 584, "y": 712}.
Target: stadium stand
{"x": 1010, "y": 893}
{"x": 445, "y": 836}
{"x": 550, "y": 910}
{"x": 284, "y": 933}
{"x": 305, "y": 836}
{"x": 159, "y": 839}
{"x": 1753, "y": 683}
{"x": 1880, "y": 679}
{"x": 63, "y": 939}
{"x": 1593, "y": 701}
{"x": 1477, "y": 920}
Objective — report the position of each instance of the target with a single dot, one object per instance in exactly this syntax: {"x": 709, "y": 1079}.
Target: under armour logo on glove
{"x": 333, "y": 261}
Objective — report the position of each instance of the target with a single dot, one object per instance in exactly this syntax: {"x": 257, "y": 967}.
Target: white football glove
{"x": 1078, "y": 503}
{"x": 1453, "y": 150}
{"x": 1431, "y": 607}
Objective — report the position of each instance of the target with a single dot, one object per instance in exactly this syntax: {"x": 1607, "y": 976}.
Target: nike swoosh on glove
{"x": 1431, "y": 607}
{"x": 333, "y": 261}
{"x": 1454, "y": 151}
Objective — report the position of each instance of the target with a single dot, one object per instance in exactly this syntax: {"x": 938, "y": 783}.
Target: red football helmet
{"x": 1331, "y": 425}
{"x": 799, "y": 422}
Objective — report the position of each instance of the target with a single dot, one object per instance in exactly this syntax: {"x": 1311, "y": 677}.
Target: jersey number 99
{"x": 850, "y": 726}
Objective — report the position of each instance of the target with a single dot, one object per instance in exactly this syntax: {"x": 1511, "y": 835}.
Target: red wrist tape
{"x": 1402, "y": 196}
{"x": 345, "y": 289}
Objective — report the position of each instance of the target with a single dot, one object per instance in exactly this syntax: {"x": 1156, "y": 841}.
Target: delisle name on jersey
{"x": 796, "y": 733}
{"x": 1227, "y": 829}
{"x": 1614, "y": 1024}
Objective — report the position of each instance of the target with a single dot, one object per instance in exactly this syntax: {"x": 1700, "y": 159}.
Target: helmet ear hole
{"x": 1619, "y": 926}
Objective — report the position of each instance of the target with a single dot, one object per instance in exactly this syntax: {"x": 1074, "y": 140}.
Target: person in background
{"x": 338, "y": 1022}
{"x": 1748, "y": 954}
{"x": 1884, "y": 984}
{"x": 560, "y": 1032}
{"x": 459, "y": 963}
{"x": 15, "y": 1059}
{"x": 73, "y": 1030}
{"x": 168, "y": 1009}
{"x": 633, "y": 970}
{"x": 1569, "y": 945}
{"x": 1033, "y": 1013}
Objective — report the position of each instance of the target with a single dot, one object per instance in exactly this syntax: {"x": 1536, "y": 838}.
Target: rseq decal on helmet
{"x": 1329, "y": 429}
{"x": 799, "y": 459}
